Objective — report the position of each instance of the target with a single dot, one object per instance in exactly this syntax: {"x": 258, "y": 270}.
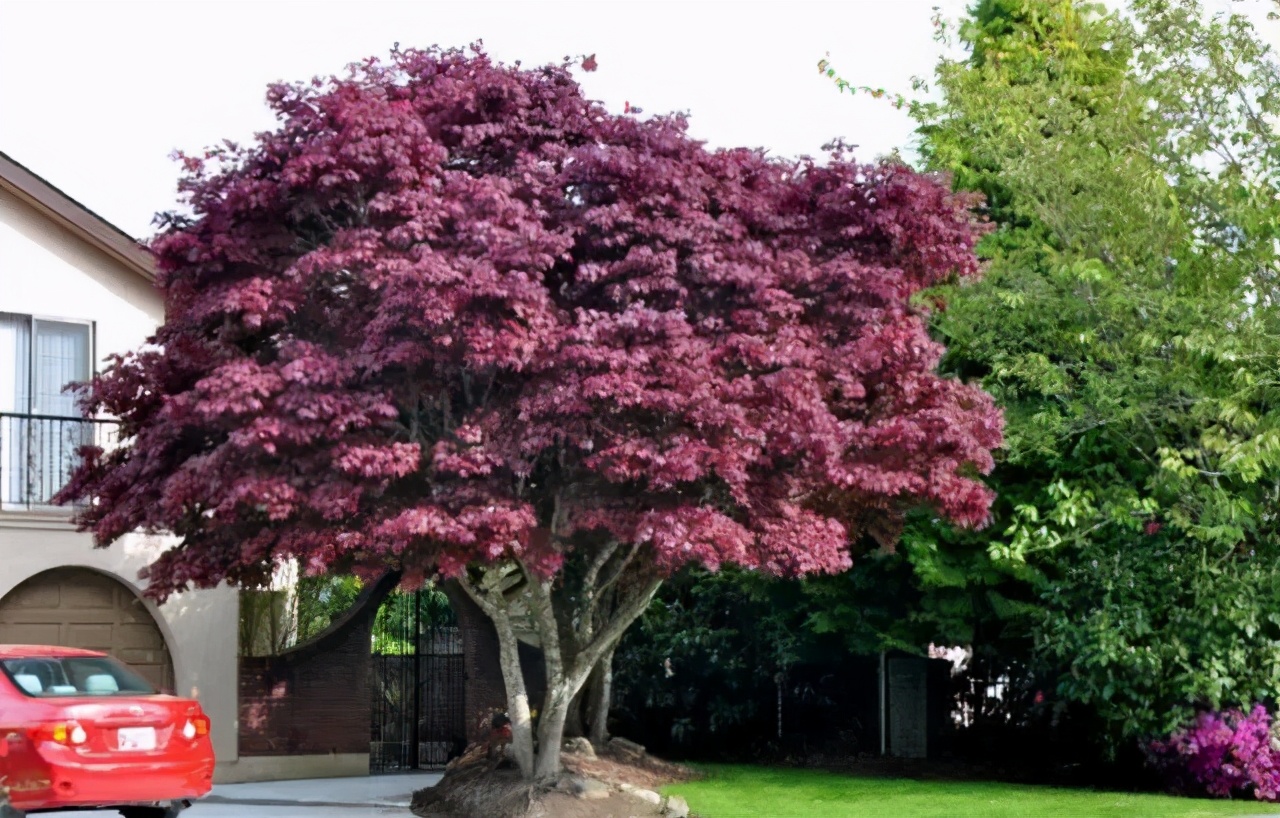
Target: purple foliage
{"x": 453, "y": 313}
{"x": 1223, "y": 754}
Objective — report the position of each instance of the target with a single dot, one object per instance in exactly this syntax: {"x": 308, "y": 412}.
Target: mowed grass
{"x": 771, "y": 792}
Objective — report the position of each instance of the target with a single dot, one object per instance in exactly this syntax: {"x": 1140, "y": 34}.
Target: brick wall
{"x": 313, "y": 698}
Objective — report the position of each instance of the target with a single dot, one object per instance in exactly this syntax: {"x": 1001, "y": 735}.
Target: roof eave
{"x": 70, "y": 214}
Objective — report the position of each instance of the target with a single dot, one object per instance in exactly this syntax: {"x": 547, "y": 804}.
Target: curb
{"x": 284, "y": 802}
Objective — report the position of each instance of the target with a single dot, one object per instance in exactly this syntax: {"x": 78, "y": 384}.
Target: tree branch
{"x": 493, "y": 598}
{"x": 594, "y": 595}
{"x": 622, "y": 567}
{"x": 477, "y": 596}
{"x": 544, "y": 618}
{"x": 597, "y": 564}
{"x": 627, "y": 611}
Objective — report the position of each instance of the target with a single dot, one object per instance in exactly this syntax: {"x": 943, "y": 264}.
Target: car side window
{"x": 29, "y": 683}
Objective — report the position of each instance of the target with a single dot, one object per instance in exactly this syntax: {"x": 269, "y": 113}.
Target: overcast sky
{"x": 95, "y": 95}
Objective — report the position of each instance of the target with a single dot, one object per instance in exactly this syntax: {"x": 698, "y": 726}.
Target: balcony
{"x": 38, "y": 454}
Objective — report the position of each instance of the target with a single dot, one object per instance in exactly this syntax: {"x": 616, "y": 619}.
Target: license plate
{"x": 137, "y": 738}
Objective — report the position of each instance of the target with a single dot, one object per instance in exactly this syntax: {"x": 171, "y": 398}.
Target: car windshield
{"x": 51, "y": 676}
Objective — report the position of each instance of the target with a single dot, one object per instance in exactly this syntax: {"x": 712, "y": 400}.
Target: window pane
{"x": 61, "y": 357}
{"x": 38, "y": 359}
{"x": 15, "y": 398}
{"x": 15, "y": 363}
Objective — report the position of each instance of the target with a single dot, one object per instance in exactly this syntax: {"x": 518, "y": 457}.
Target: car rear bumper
{"x": 87, "y": 784}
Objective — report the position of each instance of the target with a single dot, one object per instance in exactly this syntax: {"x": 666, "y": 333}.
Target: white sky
{"x": 95, "y": 95}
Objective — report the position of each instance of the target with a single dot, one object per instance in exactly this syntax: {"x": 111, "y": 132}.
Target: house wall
{"x": 46, "y": 270}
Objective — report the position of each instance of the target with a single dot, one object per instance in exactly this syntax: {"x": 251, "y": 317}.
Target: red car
{"x": 79, "y": 730}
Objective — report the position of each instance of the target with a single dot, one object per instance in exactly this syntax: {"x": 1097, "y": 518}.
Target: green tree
{"x": 1127, "y": 324}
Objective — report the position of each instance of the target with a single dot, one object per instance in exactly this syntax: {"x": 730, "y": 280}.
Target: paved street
{"x": 213, "y": 810}
{"x": 323, "y": 798}
{"x": 225, "y": 810}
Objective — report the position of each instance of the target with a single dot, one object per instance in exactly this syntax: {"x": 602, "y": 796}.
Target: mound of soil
{"x": 621, "y": 781}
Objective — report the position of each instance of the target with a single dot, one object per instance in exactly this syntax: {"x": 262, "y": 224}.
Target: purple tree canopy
{"x": 450, "y": 312}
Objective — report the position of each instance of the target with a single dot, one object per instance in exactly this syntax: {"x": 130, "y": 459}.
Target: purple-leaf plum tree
{"x": 453, "y": 319}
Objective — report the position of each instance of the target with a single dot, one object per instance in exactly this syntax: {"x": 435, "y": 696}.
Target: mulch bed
{"x": 483, "y": 783}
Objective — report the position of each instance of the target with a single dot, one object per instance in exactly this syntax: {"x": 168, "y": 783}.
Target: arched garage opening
{"x": 81, "y": 608}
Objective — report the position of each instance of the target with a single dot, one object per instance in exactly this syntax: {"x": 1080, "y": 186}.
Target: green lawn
{"x": 770, "y": 792}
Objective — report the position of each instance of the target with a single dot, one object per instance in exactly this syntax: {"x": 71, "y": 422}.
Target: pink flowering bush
{"x": 1224, "y": 754}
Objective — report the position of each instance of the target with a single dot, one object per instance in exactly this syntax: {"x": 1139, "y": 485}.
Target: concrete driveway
{"x": 364, "y": 797}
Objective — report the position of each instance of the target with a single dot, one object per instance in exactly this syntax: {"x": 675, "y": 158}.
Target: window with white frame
{"x": 41, "y": 428}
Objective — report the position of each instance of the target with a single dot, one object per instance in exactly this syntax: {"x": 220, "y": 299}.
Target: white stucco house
{"x": 74, "y": 289}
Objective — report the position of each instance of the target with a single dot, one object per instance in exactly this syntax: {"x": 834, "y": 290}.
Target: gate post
{"x": 415, "y": 673}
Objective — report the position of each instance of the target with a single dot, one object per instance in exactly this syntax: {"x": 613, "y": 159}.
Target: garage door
{"x": 78, "y": 608}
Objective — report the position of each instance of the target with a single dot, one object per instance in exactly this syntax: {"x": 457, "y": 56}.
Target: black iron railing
{"x": 39, "y": 452}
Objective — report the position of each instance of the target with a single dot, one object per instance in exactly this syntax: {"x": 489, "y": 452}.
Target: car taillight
{"x": 69, "y": 733}
{"x": 195, "y": 726}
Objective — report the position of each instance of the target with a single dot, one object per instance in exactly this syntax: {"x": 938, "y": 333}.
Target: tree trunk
{"x": 565, "y": 680}
{"x": 589, "y": 712}
{"x": 517, "y": 696}
{"x": 578, "y": 723}
{"x": 551, "y": 729}
{"x": 575, "y": 724}
{"x": 599, "y": 697}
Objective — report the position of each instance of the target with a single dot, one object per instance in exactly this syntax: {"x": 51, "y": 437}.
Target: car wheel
{"x": 170, "y": 811}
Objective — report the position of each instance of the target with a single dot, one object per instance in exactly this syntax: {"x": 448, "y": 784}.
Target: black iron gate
{"x": 418, "y": 677}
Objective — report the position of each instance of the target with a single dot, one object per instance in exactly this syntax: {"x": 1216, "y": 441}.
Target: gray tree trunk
{"x": 565, "y": 679}
{"x": 551, "y": 730}
{"x": 575, "y": 724}
{"x": 599, "y": 699}
{"x": 517, "y": 697}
